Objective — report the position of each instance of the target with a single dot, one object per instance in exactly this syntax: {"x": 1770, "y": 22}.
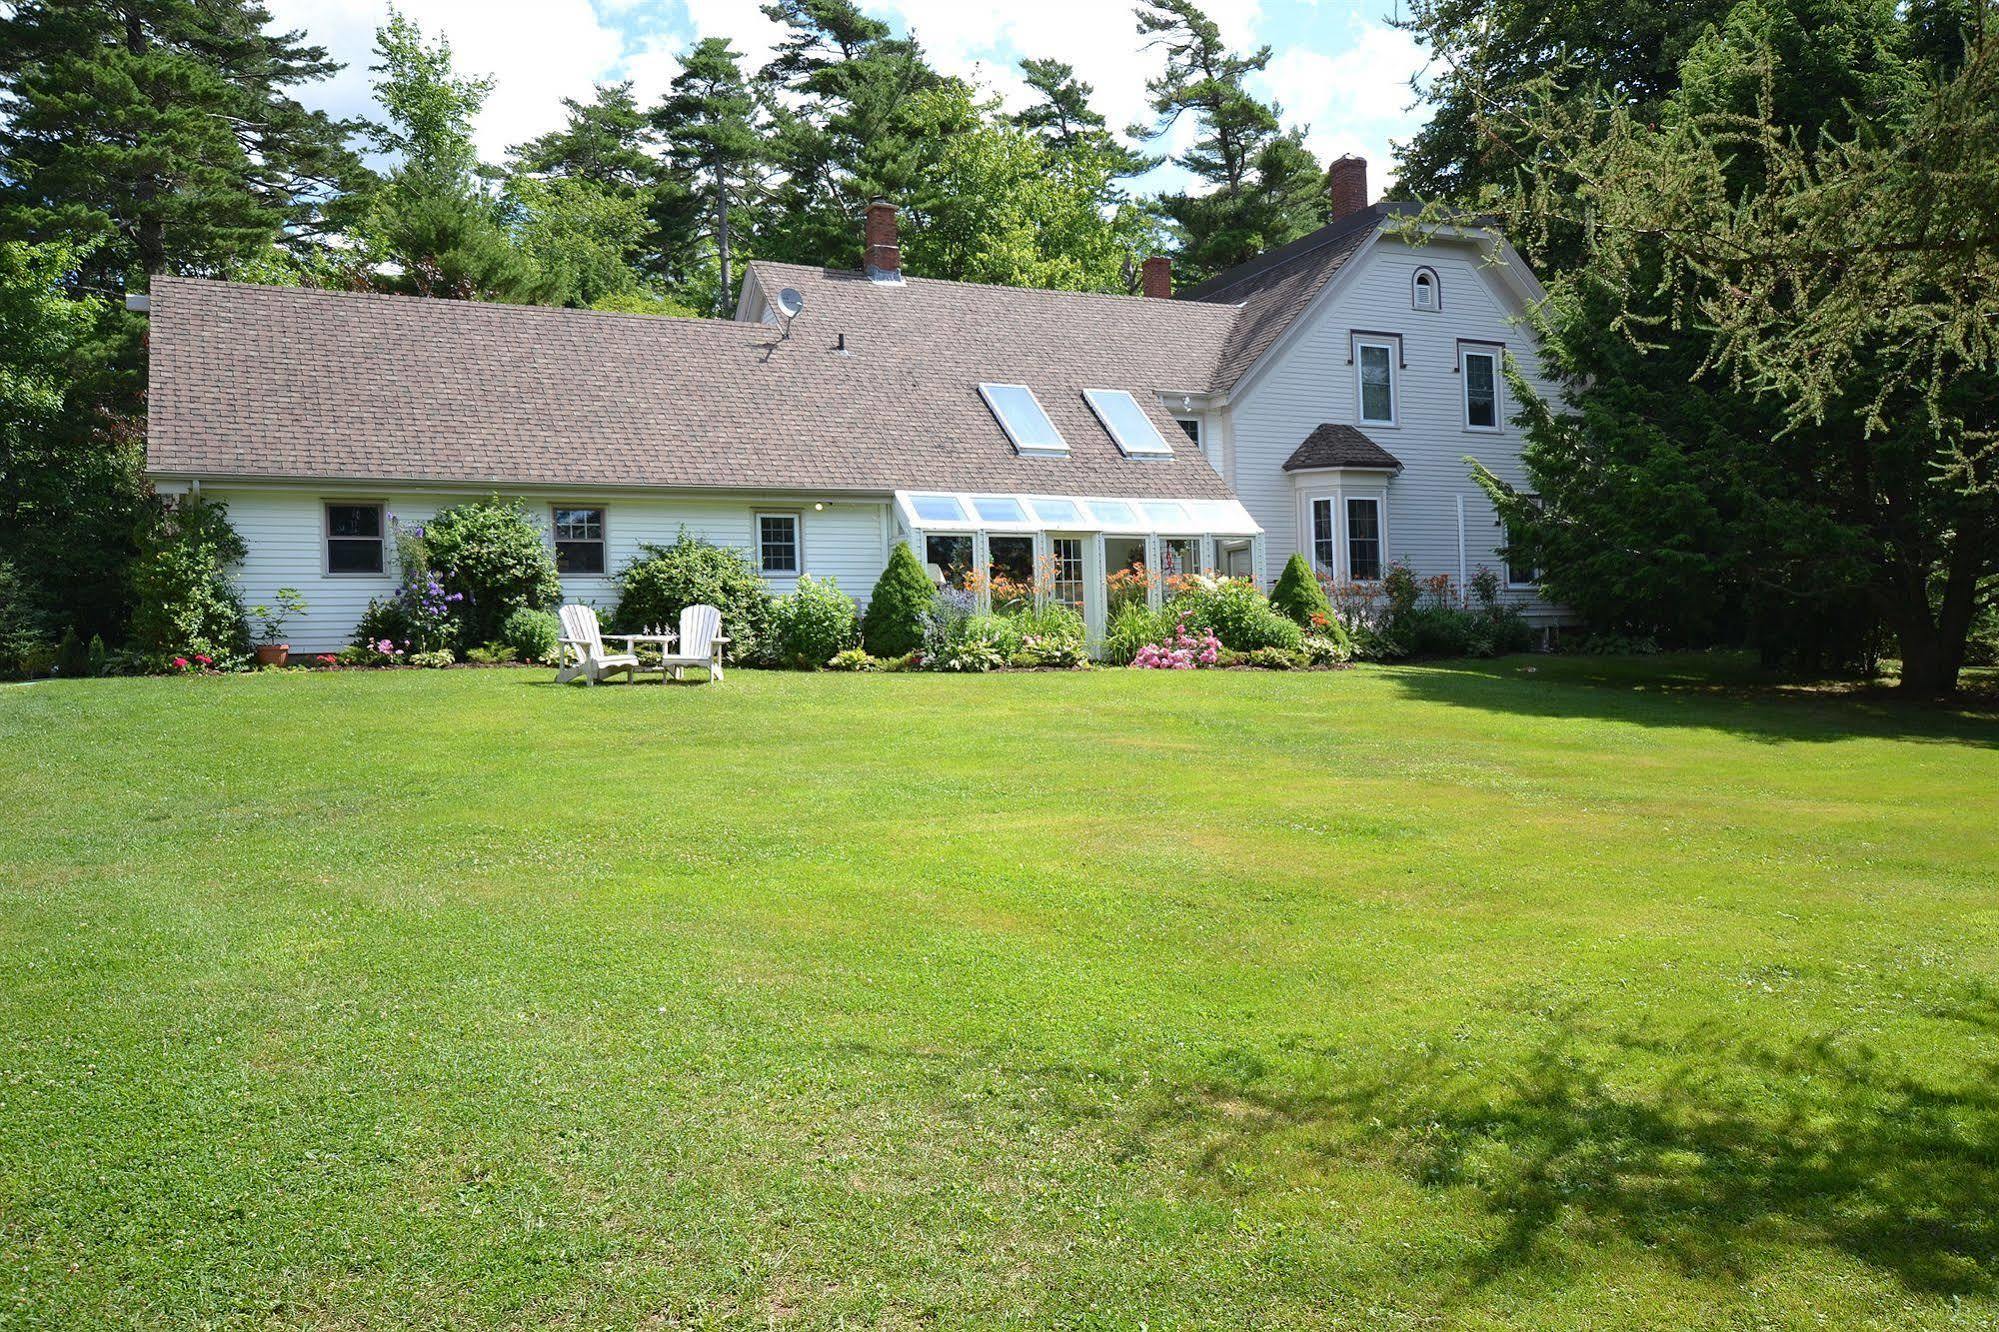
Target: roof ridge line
{"x": 451, "y": 302}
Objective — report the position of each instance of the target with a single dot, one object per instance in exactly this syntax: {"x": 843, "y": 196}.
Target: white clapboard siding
{"x": 284, "y": 530}
{"x": 1311, "y": 381}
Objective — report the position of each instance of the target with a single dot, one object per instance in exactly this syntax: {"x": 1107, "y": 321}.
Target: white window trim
{"x": 326, "y": 537}
{"x": 1465, "y": 353}
{"x": 1332, "y": 503}
{"x": 1097, "y": 400}
{"x": 604, "y": 540}
{"x": 1380, "y": 534}
{"x": 1059, "y": 449}
{"x": 1436, "y": 290}
{"x": 797, "y": 541}
{"x": 1393, "y": 347}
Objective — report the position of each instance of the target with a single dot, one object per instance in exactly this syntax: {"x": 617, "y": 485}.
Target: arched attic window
{"x": 1425, "y": 292}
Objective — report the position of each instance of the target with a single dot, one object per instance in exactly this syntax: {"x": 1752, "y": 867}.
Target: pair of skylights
{"x": 1020, "y": 414}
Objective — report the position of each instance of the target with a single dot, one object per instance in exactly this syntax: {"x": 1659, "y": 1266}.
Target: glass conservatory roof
{"x": 956, "y": 511}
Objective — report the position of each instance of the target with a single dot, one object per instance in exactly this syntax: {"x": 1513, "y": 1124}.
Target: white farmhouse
{"x": 1322, "y": 398}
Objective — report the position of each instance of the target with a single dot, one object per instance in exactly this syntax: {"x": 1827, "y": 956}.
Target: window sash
{"x": 1066, "y": 588}
{"x": 354, "y": 539}
{"x": 1377, "y": 383}
{"x": 1364, "y": 540}
{"x": 1481, "y": 371}
{"x": 579, "y": 541}
{"x": 1324, "y": 544}
{"x": 777, "y": 543}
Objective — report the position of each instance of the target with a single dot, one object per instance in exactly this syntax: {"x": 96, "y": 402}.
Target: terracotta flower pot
{"x": 272, "y": 654}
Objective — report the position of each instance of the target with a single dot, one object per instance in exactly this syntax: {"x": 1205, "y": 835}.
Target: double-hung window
{"x": 354, "y": 538}
{"x": 1325, "y": 542}
{"x": 777, "y": 543}
{"x": 1480, "y": 367}
{"x": 1375, "y": 360}
{"x": 579, "y": 541}
{"x": 1364, "y": 540}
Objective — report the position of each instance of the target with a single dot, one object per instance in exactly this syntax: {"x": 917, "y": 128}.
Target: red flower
{"x": 204, "y": 660}
{"x": 180, "y": 663}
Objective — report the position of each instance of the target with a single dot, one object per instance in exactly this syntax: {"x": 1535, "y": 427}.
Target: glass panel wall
{"x": 1011, "y": 571}
{"x": 1126, "y": 579}
{"x": 1179, "y": 559}
{"x": 950, "y": 558}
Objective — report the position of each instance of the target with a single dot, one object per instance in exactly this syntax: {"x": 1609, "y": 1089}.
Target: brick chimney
{"x": 884, "y": 253}
{"x": 1156, "y": 278}
{"x": 1346, "y": 187}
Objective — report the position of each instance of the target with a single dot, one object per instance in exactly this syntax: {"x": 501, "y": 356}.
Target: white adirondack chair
{"x": 583, "y": 654}
{"x": 700, "y": 643}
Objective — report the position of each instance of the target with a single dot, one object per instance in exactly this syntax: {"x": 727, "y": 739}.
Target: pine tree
{"x": 608, "y": 142}
{"x": 166, "y": 131}
{"x": 1775, "y": 342}
{"x": 840, "y": 129}
{"x": 432, "y": 229}
{"x": 1062, "y": 114}
{"x": 716, "y": 150}
{"x": 894, "y": 623}
{"x": 584, "y": 202}
{"x": 1265, "y": 183}
{"x": 165, "y": 127}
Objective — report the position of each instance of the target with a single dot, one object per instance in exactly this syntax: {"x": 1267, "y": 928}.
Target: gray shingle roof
{"x": 1273, "y": 289}
{"x": 251, "y": 381}
{"x": 1340, "y": 445}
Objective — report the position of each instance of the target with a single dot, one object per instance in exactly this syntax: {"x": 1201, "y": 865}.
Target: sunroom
{"x": 1092, "y": 553}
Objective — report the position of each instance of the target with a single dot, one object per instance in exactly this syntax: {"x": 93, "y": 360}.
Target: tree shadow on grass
{"x": 1711, "y": 1149}
{"x": 1714, "y": 691}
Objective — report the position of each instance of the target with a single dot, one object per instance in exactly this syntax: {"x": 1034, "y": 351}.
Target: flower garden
{"x": 476, "y": 584}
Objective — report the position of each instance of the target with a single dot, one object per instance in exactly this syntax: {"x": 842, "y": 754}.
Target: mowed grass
{"x": 1545, "y": 994}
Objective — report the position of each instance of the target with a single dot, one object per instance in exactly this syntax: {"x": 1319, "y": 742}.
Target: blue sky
{"x": 1338, "y": 67}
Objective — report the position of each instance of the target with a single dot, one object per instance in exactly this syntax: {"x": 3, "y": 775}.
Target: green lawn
{"x": 1559, "y": 994}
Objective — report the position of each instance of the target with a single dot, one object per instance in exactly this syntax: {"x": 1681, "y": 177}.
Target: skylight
{"x": 1133, "y": 430}
{"x": 999, "y": 509}
{"x": 1020, "y": 415}
{"x": 933, "y": 512}
{"x": 938, "y": 508}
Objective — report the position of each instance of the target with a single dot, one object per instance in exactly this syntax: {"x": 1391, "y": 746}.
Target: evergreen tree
{"x": 893, "y": 626}
{"x": 1776, "y": 349}
{"x": 609, "y": 142}
{"x": 1062, "y": 114}
{"x": 432, "y": 229}
{"x": 840, "y": 127}
{"x": 716, "y": 150}
{"x": 1487, "y": 54}
{"x": 164, "y": 127}
{"x": 165, "y": 130}
{"x": 71, "y": 490}
{"x": 1265, "y": 185}
{"x": 1297, "y": 593}
{"x": 582, "y": 204}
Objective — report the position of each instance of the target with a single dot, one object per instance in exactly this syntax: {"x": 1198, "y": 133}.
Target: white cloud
{"x": 1098, "y": 37}
{"x": 1344, "y": 75}
{"x": 1356, "y": 101}
{"x": 537, "y": 51}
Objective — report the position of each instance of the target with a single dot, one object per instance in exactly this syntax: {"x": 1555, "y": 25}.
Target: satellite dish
{"x": 790, "y": 303}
